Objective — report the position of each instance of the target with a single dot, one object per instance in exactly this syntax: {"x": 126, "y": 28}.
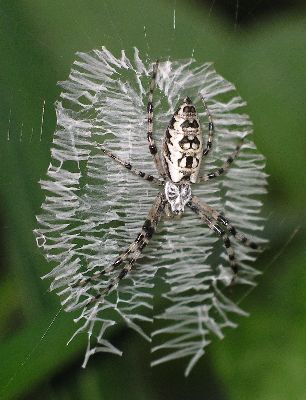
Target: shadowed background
{"x": 259, "y": 47}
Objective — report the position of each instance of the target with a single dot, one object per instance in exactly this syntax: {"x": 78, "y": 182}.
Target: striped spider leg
{"x": 134, "y": 251}
{"x": 211, "y": 129}
{"x": 128, "y": 166}
{"x": 225, "y": 167}
{"x": 213, "y": 219}
{"x": 201, "y": 209}
{"x": 150, "y": 107}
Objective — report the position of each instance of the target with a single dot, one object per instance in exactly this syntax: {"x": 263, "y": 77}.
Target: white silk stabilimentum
{"x": 94, "y": 208}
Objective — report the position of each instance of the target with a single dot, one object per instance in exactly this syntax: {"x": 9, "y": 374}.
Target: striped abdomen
{"x": 183, "y": 144}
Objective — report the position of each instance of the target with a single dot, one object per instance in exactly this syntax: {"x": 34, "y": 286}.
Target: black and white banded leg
{"x": 128, "y": 166}
{"x": 196, "y": 206}
{"x": 134, "y": 251}
{"x": 225, "y": 167}
{"x": 150, "y": 107}
{"x": 211, "y": 129}
{"x": 220, "y": 218}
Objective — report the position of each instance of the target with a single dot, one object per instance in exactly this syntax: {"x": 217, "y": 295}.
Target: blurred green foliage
{"x": 265, "y": 358}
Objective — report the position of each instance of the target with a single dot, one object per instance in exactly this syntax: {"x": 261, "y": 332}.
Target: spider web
{"x": 94, "y": 208}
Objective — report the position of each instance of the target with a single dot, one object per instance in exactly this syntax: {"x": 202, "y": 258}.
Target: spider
{"x": 178, "y": 168}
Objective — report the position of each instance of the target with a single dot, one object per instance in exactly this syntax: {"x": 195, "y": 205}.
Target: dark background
{"x": 258, "y": 45}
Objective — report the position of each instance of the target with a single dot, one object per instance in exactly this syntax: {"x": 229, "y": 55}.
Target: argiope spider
{"x": 178, "y": 168}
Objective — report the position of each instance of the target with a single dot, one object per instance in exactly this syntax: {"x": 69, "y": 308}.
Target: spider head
{"x": 178, "y": 195}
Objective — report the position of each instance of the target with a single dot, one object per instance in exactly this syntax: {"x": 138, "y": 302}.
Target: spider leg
{"x": 128, "y": 166}
{"x": 136, "y": 248}
{"x": 119, "y": 260}
{"x": 150, "y": 107}
{"x": 220, "y": 218}
{"x": 198, "y": 208}
{"x": 211, "y": 129}
{"x": 219, "y": 171}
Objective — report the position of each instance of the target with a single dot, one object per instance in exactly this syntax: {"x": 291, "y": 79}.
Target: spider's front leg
{"x": 150, "y": 107}
{"x": 225, "y": 167}
{"x": 211, "y": 129}
{"x": 128, "y": 166}
{"x": 134, "y": 251}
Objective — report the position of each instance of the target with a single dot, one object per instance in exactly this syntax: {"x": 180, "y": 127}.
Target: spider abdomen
{"x": 183, "y": 144}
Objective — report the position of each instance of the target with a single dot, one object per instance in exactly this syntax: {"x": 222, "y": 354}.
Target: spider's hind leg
{"x": 220, "y": 218}
{"x": 233, "y": 231}
{"x": 198, "y": 207}
{"x": 134, "y": 251}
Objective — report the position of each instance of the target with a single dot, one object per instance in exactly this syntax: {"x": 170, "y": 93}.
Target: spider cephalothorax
{"x": 177, "y": 195}
{"x": 178, "y": 167}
